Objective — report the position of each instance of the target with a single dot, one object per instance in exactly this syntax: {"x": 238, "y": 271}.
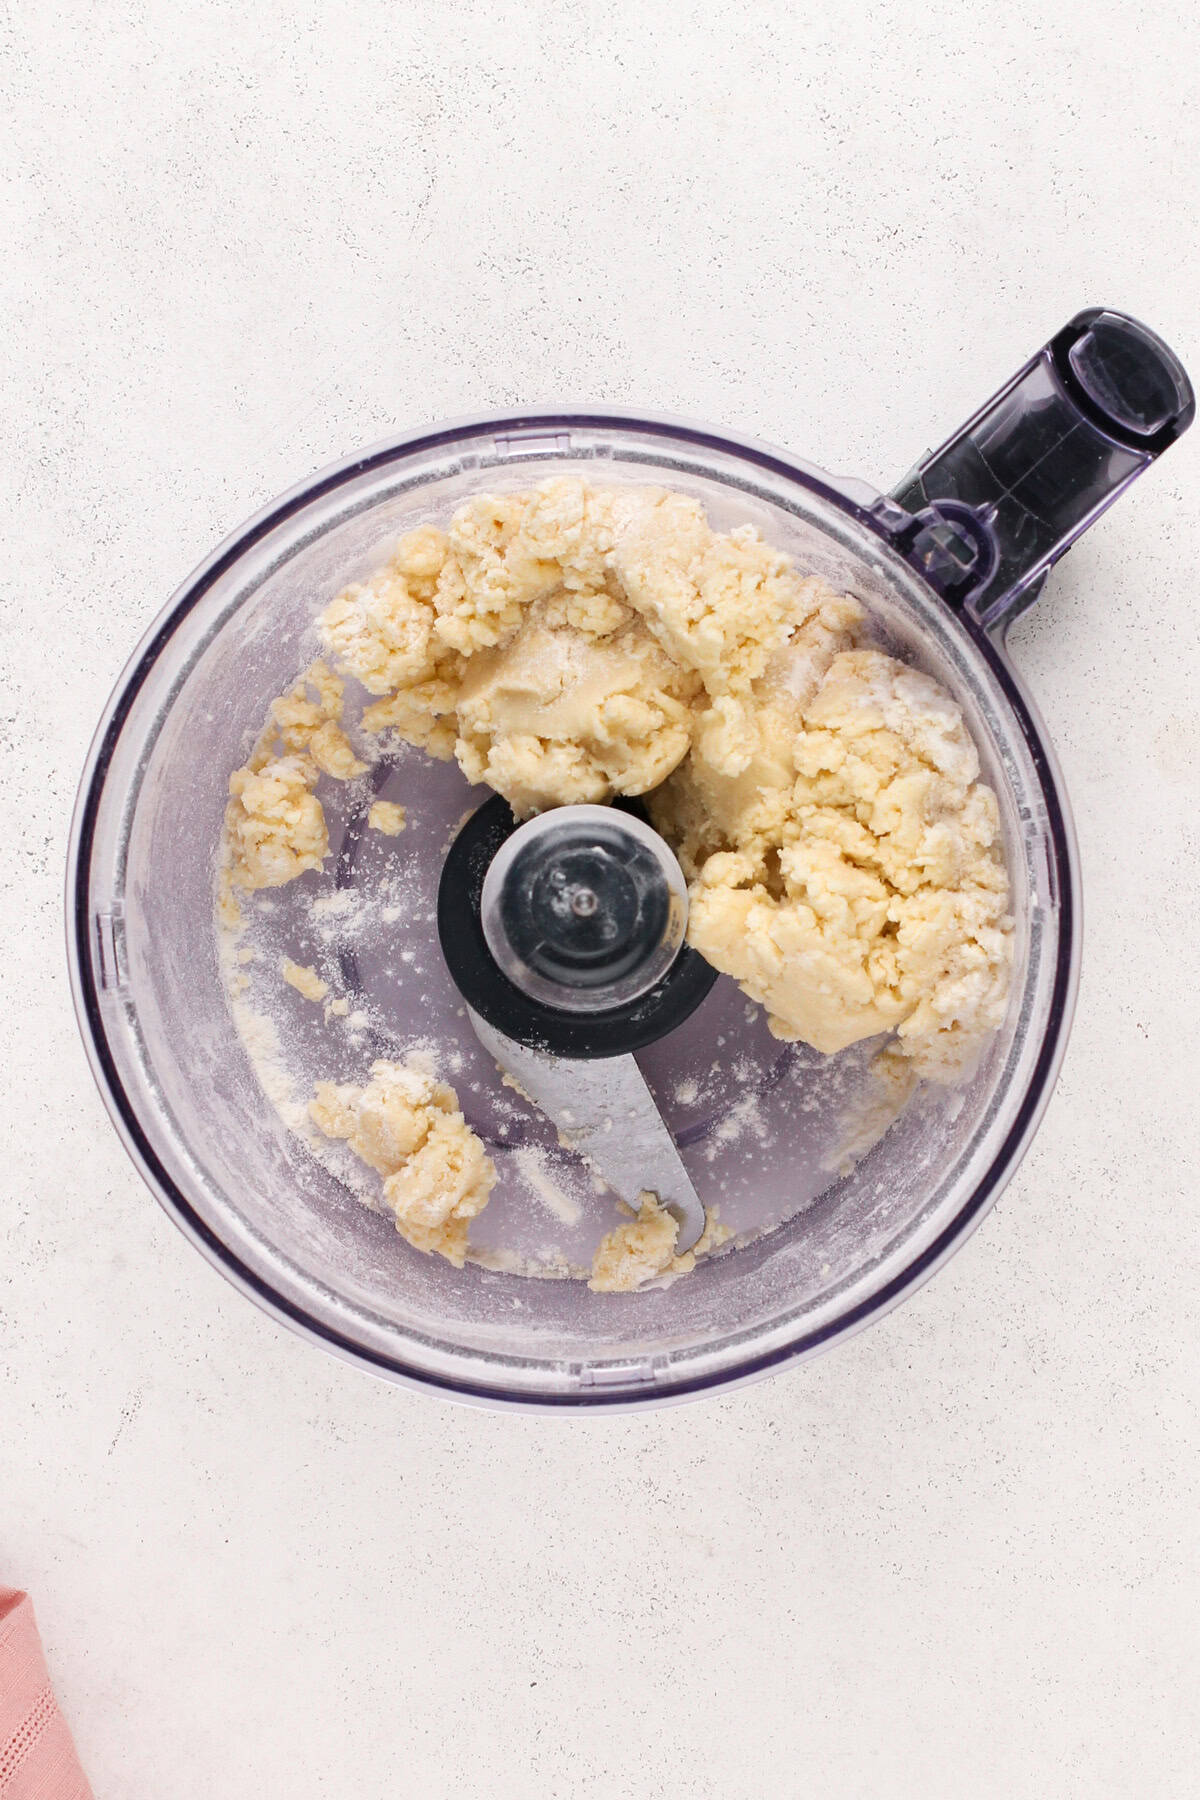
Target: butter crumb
{"x": 387, "y": 817}
{"x": 306, "y": 981}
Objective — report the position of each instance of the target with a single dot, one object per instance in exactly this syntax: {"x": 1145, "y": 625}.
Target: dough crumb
{"x": 407, "y": 1126}
{"x": 230, "y": 919}
{"x": 337, "y": 1009}
{"x": 274, "y": 824}
{"x": 644, "y": 1248}
{"x": 387, "y": 817}
{"x": 306, "y": 981}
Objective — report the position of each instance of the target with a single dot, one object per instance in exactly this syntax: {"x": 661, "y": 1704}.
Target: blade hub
{"x": 567, "y": 933}
{"x": 584, "y": 908}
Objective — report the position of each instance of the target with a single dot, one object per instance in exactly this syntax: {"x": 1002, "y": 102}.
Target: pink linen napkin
{"x": 37, "y": 1757}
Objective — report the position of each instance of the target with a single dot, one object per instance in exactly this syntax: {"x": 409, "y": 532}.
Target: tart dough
{"x": 643, "y": 1249}
{"x": 274, "y": 823}
{"x": 407, "y": 1125}
{"x": 571, "y": 643}
{"x": 849, "y": 875}
{"x": 385, "y": 816}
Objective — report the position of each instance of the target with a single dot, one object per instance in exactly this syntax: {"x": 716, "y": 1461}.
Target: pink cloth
{"x": 37, "y": 1757}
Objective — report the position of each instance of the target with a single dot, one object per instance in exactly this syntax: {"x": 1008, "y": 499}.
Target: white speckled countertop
{"x": 957, "y": 1557}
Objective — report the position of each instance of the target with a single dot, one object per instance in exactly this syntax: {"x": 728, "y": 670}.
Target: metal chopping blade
{"x": 603, "y": 1108}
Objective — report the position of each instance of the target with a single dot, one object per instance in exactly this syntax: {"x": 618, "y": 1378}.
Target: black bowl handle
{"x": 985, "y": 516}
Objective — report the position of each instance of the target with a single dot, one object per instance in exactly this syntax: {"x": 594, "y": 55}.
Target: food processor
{"x": 431, "y": 933}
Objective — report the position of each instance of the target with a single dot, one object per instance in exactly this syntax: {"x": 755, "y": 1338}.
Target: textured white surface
{"x": 957, "y": 1557}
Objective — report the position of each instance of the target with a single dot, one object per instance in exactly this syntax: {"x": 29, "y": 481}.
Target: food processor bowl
{"x": 940, "y": 566}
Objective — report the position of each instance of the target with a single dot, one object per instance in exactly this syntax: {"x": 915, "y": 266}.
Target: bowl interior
{"x": 759, "y": 1124}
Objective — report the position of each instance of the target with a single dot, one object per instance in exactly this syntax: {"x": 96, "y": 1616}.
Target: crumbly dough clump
{"x": 387, "y": 817}
{"x": 570, "y": 643}
{"x": 562, "y": 643}
{"x": 407, "y": 1125}
{"x": 643, "y": 1248}
{"x": 275, "y": 826}
{"x": 274, "y": 823}
{"x": 846, "y": 864}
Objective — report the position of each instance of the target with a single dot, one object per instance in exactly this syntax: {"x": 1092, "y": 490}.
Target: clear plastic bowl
{"x": 281, "y": 1225}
